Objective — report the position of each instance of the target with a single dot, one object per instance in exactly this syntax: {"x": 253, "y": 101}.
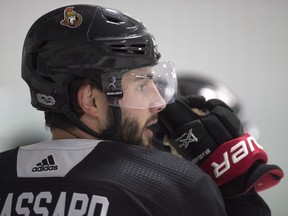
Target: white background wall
{"x": 243, "y": 43}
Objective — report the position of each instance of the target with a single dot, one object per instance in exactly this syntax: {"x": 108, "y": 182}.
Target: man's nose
{"x": 158, "y": 108}
{"x": 157, "y": 102}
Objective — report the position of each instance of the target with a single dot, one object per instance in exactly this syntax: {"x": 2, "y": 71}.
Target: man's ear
{"x": 87, "y": 100}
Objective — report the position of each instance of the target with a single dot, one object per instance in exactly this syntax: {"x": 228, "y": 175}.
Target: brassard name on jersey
{"x": 46, "y": 203}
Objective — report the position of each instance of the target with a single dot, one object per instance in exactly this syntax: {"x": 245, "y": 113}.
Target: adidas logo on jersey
{"x": 47, "y": 164}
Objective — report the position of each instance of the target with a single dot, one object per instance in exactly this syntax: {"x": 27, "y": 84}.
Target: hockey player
{"x": 98, "y": 78}
{"x": 96, "y": 74}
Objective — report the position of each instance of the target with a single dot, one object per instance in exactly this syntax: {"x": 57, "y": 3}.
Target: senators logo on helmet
{"x": 71, "y": 18}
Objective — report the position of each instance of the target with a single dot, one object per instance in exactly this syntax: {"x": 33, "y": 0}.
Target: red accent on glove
{"x": 233, "y": 158}
{"x": 269, "y": 176}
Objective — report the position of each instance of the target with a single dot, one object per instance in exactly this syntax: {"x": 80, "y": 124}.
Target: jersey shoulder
{"x": 166, "y": 180}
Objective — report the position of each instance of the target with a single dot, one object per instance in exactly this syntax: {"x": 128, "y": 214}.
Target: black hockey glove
{"x": 215, "y": 141}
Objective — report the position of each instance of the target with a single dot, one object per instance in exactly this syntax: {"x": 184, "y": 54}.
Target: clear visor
{"x": 141, "y": 88}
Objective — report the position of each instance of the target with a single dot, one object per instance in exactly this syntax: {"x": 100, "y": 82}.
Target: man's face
{"x": 140, "y": 105}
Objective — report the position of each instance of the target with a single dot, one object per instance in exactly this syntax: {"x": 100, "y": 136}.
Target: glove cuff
{"x": 266, "y": 176}
{"x": 233, "y": 158}
{"x": 258, "y": 178}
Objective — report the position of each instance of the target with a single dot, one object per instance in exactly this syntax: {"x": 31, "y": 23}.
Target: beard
{"x": 130, "y": 130}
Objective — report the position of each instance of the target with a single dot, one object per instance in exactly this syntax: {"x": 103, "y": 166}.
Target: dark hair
{"x": 59, "y": 120}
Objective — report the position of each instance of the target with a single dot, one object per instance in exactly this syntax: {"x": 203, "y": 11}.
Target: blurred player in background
{"x": 195, "y": 84}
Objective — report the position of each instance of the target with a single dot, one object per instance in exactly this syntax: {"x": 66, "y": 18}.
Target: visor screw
{"x": 111, "y": 87}
{"x": 111, "y": 79}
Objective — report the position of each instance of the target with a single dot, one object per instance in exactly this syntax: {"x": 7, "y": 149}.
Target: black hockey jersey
{"x": 89, "y": 177}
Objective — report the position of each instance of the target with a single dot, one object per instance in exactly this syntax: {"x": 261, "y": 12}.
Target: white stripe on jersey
{"x": 53, "y": 158}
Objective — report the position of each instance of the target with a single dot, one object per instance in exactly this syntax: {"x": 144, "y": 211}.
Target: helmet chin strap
{"x": 110, "y": 133}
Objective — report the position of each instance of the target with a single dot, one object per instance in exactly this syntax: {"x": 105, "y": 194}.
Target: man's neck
{"x": 69, "y": 134}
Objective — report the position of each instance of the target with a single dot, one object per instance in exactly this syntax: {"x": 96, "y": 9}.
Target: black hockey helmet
{"x": 85, "y": 41}
{"x": 92, "y": 42}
